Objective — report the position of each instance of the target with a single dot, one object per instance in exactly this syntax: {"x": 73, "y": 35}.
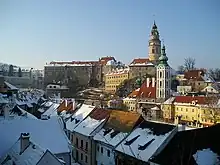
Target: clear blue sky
{"x": 33, "y": 32}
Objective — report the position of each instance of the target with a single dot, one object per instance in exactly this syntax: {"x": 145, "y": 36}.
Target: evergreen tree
{"x": 11, "y": 70}
{"x": 19, "y": 72}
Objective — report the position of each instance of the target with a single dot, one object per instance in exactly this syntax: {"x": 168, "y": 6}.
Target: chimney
{"x": 153, "y": 82}
{"x": 183, "y": 127}
{"x": 65, "y": 103}
{"x": 6, "y": 112}
{"x": 24, "y": 141}
{"x": 148, "y": 82}
{"x": 74, "y": 104}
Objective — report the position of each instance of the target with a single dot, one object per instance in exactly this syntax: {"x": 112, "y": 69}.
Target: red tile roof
{"x": 75, "y": 62}
{"x": 195, "y": 75}
{"x": 62, "y": 106}
{"x": 123, "y": 121}
{"x": 140, "y": 61}
{"x": 189, "y": 99}
{"x": 99, "y": 114}
{"x": 104, "y": 60}
{"x": 145, "y": 92}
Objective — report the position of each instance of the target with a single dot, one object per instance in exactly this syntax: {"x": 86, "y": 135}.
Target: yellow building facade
{"x": 193, "y": 111}
{"x": 130, "y": 104}
{"x": 115, "y": 78}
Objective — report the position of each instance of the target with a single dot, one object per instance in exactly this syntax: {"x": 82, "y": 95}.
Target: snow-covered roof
{"x": 156, "y": 108}
{"x": 207, "y": 78}
{"x": 110, "y": 136}
{"x": 31, "y": 155}
{"x": 170, "y": 100}
{"x": 118, "y": 126}
{"x": 3, "y": 100}
{"x": 206, "y": 157}
{"x": 79, "y": 116}
{"x": 46, "y": 133}
{"x": 118, "y": 72}
{"x": 10, "y": 86}
{"x": 93, "y": 121}
{"x": 111, "y": 62}
{"x": 144, "y": 141}
{"x": 25, "y": 113}
{"x": 52, "y": 110}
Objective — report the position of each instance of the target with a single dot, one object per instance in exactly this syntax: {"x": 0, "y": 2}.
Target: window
{"x": 108, "y": 153}
{"x": 153, "y": 50}
{"x": 81, "y": 144}
{"x": 186, "y": 110}
{"x": 77, "y": 155}
{"x": 98, "y": 148}
{"x": 102, "y": 150}
{"x": 77, "y": 142}
{"x": 86, "y": 146}
{"x": 192, "y": 110}
{"x": 86, "y": 159}
{"x": 81, "y": 156}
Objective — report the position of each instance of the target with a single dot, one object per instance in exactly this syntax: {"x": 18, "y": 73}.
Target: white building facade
{"x": 163, "y": 77}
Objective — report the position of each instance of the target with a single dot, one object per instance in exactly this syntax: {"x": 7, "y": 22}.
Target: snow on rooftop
{"x": 29, "y": 115}
{"x": 170, "y": 100}
{"x": 142, "y": 143}
{"x": 3, "y": 100}
{"x": 110, "y": 136}
{"x": 87, "y": 126}
{"x": 30, "y": 156}
{"x": 12, "y": 87}
{"x": 46, "y": 133}
{"x": 52, "y": 110}
{"x": 208, "y": 78}
{"x": 78, "y": 116}
{"x": 206, "y": 157}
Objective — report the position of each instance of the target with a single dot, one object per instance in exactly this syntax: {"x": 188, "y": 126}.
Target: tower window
{"x": 153, "y": 50}
{"x": 160, "y": 74}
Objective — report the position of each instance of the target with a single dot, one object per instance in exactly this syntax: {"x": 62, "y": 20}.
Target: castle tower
{"x": 163, "y": 77}
{"x": 154, "y": 44}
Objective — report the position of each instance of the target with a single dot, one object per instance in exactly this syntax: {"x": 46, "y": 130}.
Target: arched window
{"x": 153, "y": 50}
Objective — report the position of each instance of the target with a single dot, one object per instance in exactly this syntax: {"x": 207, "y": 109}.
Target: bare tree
{"x": 181, "y": 69}
{"x": 189, "y": 63}
{"x": 213, "y": 108}
{"x": 215, "y": 73}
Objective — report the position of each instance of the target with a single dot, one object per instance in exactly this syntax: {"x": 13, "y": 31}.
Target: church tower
{"x": 154, "y": 44}
{"x": 163, "y": 77}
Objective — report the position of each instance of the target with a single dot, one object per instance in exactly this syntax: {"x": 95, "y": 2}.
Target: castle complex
{"x": 155, "y": 68}
{"x": 109, "y": 73}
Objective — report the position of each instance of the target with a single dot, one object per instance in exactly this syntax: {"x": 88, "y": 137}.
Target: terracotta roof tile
{"x": 140, "y": 61}
{"x": 62, "y": 107}
{"x": 195, "y": 75}
{"x": 145, "y": 92}
{"x": 189, "y": 99}
{"x": 104, "y": 60}
{"x": 99, "y": 114}
{"x": 123, "y": 121}
{"x": 74, "y": 62}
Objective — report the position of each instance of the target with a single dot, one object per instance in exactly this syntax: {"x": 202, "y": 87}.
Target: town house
{"x": 145, "y": 141}
{"x": 84, "y": 146}
{"x": 116, "y": 128}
